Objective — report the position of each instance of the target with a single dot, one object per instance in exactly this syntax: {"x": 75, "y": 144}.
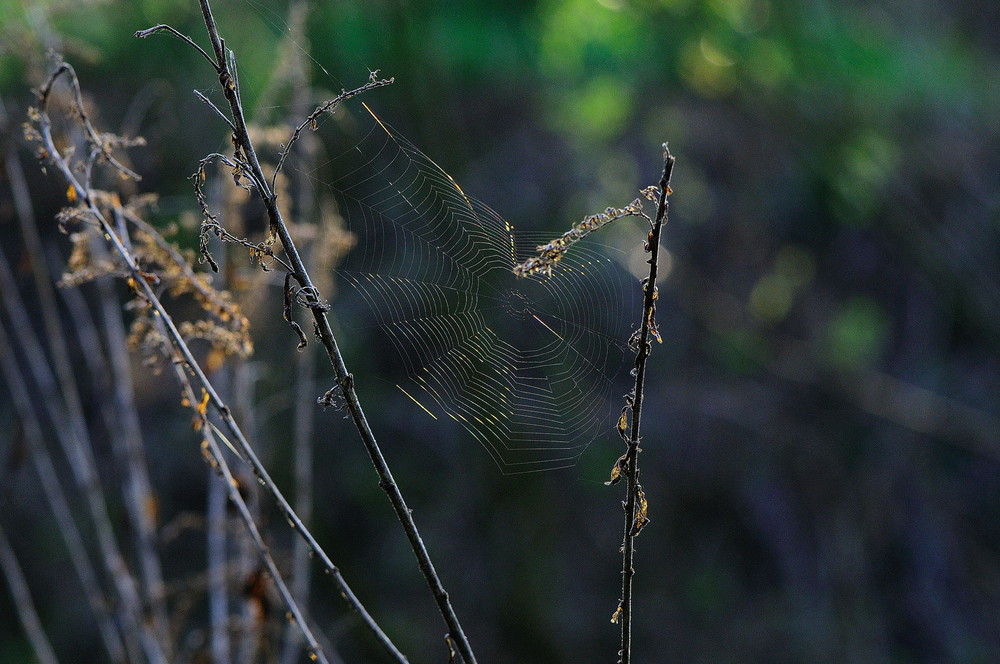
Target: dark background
{"x": 821, "y": 437}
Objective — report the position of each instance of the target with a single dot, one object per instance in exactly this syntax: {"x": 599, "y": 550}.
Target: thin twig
{"x": 628, "y": 465}
{"x": 216, "y": 459}
{"x": 344, "y": 378}
{"x": 214, "y": 456}
{"x": 23, "y": 603}
{"x": 215, "y": 108}
{"x": 124, "y": 426}
{"x": 142, "y": 34}
{"x": 68, "y": 530}
{"x": 373, "y": 82}
{"x": 186, "y": 358}
{"x": 71, "y": 433}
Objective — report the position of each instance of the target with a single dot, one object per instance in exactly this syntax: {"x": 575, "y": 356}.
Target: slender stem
{"x": 124, "y": 426}
{"x": 115, "y": 641}
{"x": 23, "y": 603}
{"x": 215, "y": 457}
{"x": 344, "y": 378}
{"x": 71, "y": 433}
{"x": 218, "y": 600}
{"x": 630, "y": 467}
{"x": 85, "y": 195}
{"x": 305, "y": 361}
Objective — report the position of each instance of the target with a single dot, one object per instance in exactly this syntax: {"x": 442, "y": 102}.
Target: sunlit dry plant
{"x": 627, "y": 465}
{"x": 165, "y": 266}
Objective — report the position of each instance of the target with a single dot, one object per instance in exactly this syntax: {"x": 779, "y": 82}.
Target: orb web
{"x": 525, "y": 366}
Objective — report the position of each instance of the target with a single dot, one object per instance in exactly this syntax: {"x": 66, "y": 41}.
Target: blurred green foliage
{"x": 833, "y": 253}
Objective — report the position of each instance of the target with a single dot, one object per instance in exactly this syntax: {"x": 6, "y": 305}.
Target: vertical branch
{"x": 23, "y": 603}
{"x": 305, "y": 361}
{"x": 75, "y": 444}
{"x": 218, "y": 596}
{"x": 125, "y": 435}
{"x": 115, "y": 642}
{"x": 183, "y": 359}
{"x": 345, "y": 379}
{"x": 635, "y": 501}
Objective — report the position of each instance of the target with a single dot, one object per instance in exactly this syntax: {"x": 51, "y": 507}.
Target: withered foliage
{"x": 551, "y": 253}
{"x": 89, "y": 155}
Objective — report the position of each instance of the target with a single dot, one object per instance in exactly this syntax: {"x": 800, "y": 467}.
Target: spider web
{"x": 524, "y": 365}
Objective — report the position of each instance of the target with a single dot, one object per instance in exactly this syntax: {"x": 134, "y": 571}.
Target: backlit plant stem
{"x": 634, "y": 519}
{"x": 184, "y": 356}
{"x": 345, "y": 379}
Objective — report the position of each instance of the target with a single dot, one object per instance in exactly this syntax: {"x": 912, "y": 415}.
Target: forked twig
{"x": 373, "y": 82}
{"x": 227, "y": 77}
{"x": 142, "y": 287}
{"x": 23, "y": 603}
{"x": 127, "y": 441}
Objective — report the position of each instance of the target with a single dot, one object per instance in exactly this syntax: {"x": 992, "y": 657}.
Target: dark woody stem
{"x": 344, "y": 378}
{"x": 635, "y": 517}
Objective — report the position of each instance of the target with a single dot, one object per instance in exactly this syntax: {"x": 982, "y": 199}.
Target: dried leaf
{"x": 641, "y": 514}
{"x": 616, "y": 470}
{"x": 206, "y": 452}
{"x": 651, "y": 321}
{"x": 616, "y": 475}
{"x": 71, "y": 194}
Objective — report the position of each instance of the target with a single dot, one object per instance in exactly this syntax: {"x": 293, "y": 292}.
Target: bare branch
{"x": 23, "y": 603}
{"x": 215, "y": 108}
{"x": 636, "y": 516}
{"x": 142, "y": 34}
{"x": 344, "y": 378}
{"x": 331, "y": 105}
{"x": 141, "y": 285}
